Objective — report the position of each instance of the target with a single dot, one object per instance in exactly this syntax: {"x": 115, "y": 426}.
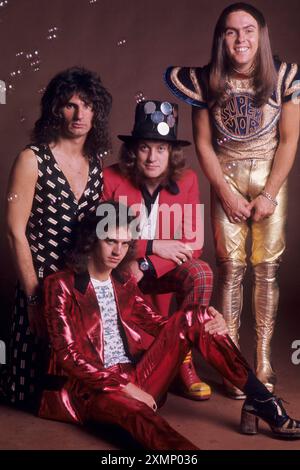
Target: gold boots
{"x": 231, "y": 275}
{"x": 265, "y": 303}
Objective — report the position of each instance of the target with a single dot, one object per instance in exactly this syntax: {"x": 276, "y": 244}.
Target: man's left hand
{"x": 261, "y": 208}
{"x": 216, "y": 326}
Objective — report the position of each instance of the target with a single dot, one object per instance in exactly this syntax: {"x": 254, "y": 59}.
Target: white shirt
{"x": 114, "y": 350}
{"x": 148, "y": 222}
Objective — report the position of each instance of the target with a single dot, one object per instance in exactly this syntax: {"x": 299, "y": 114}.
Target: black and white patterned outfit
{"x": 54, "y": 215}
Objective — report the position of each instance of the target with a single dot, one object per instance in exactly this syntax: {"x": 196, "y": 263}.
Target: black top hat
{"x": 155, "y": 120}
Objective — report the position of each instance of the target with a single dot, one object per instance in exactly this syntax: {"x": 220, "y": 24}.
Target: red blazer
{"x": 76, "y": 334}
{"x": 116, "y": 185}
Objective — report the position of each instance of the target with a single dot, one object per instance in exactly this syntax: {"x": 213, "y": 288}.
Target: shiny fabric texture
{"x": 265, "y": 304}
{"x": 245, "y": 139}
{"x": 230, "y": 303}
{"x": 91, "y": 393}
{"x": 155, "y": 372}
{"x": 248, "y": 178}
{"x": 230, "y": 297}
{"x": 49, "y": 231}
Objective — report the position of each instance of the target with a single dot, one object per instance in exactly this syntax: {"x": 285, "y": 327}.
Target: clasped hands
{"x": 238, "y": 209}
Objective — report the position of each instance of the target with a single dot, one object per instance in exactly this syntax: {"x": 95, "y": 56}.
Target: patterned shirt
{"x": 114, "y": 349}
{"x": 56, "y": 212}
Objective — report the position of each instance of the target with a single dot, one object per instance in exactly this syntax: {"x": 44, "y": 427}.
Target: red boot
{"x": 189, "y": 383}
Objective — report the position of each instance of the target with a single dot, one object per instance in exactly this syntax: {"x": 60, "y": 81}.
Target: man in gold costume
{"x": 246, "y": 130}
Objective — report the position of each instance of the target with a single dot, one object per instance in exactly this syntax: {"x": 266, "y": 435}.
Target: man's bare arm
{"x": 283, "y": 160}
{"x": 20, "y": 195}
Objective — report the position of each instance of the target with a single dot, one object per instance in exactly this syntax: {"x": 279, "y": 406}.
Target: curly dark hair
{"x": 127, "y": 162}
{"x": 87, "y": 234}
{"x": 88, "y": 85}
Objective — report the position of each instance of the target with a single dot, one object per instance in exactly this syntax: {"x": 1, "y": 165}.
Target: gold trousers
{"x": 248, "y": 178}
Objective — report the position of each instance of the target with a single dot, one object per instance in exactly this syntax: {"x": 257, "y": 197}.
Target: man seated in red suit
{"x": 113, "y": 357}
{"x": 152, "y": 176}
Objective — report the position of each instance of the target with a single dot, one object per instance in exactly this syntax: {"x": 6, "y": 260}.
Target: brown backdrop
{"x": 157, "y": 33}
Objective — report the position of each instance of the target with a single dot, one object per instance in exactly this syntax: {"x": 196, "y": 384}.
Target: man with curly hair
{"x": 151, "y": 175}
{"x": 54, "y": 183}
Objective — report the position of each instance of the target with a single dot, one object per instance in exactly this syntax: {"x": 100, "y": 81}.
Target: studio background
{"x": 130, "y": 43}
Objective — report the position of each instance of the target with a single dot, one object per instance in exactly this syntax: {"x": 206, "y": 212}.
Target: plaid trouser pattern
{"x": 191, "y": 282}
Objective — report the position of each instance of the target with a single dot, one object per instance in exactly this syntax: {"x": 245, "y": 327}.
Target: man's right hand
{"x": 138, "y": 394}
{"x": 237, "y": 208}
{"x": 174, "y": 250}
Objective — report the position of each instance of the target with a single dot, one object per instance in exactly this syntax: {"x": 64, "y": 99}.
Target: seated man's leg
{"x": 221, "y": 352}
{"x": 161, "y": 362}
{"x": 156, "y": 369}
{"x": 192, "y": 282}
{"x": 145, "y": 425}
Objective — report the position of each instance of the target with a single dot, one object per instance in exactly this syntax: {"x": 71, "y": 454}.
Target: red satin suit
{"x": 192, "y": 282}
{"x": 82, "y": 390}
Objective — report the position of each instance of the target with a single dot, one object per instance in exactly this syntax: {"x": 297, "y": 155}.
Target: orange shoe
{"x": 189, "y": 384}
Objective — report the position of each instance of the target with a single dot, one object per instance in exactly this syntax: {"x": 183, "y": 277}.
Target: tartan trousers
{"x": 191, "y": 282}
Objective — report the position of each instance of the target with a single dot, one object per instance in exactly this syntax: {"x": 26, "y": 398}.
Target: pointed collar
{"x": 81, "y": 280}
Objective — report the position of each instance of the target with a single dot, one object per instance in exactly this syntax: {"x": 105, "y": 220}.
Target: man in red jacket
{"x": 151, "y": 176}
{"x": 113, "y": 357}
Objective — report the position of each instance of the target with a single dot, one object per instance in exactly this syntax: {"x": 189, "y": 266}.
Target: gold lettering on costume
{"x": 240, "y": 116}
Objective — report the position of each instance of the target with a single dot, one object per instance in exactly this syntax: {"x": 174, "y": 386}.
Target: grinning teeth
{"x": 242, "y": 49}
